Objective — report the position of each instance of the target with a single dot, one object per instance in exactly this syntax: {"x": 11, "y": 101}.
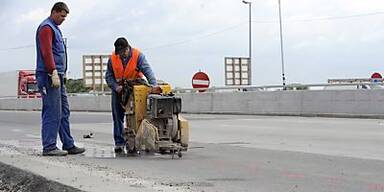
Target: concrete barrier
{"x": 90, "y": 103}
{"x": 76, "y": 103}
{"x": 343, "y": 103}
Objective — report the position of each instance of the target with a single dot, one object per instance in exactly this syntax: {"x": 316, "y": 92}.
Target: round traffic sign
{"x": 200, "y": 80}
{"x": 376, "y": 76}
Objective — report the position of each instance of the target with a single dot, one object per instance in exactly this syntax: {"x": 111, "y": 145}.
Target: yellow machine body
{"x": 136, "y": 111}
{"x": 140, "y": 94}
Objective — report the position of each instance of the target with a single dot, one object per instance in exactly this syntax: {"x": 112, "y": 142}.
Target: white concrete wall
{"x": 90, "y": 103}
{"x": 76, "y": 103}
{"x": 356, "y": 103}
{"x": 310, "y": 103}
{"x": 20, "y": 104}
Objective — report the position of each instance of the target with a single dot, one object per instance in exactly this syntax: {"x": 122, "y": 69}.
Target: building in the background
{"x": 237, "y": 71}
{"x": 94, "y": 67}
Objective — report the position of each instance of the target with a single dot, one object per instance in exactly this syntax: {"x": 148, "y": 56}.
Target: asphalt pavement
{"x": 227, "y": 153}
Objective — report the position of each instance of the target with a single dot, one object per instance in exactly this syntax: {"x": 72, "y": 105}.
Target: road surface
{"x": 227, "y": 153}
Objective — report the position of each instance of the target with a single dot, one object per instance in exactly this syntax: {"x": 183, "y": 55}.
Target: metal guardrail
{"x": 89, "y": 94}
{"x": 341, "y": 86}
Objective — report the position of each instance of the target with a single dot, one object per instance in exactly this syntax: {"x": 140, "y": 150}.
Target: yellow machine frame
{"x": 136, "y": 111}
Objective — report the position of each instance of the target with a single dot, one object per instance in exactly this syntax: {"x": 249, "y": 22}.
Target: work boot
{"x": 130, "y": 150}
{"x": 55, "y": 152}
{"x": 75, "y": 150}
{"x": 119, "y": 149}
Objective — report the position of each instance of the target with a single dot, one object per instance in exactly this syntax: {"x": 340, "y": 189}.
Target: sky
{"x": 322, "y": 39}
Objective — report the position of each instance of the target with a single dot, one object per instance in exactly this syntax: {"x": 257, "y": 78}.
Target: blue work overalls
{"x": 55, "y": 110}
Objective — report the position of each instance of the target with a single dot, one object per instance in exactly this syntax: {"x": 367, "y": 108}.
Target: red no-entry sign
{"x": 200, "y": 80}
{"x": 376, "y": 76}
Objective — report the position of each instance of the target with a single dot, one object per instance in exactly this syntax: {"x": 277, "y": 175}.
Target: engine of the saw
{"x": 153, "y": 121}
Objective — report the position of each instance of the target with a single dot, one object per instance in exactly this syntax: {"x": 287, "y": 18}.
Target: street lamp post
{"x": 250, "y": 42}
{"x": 281, "y": 47}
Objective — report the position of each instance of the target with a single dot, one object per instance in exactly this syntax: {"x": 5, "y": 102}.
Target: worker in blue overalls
{"x": 51, "y": 67}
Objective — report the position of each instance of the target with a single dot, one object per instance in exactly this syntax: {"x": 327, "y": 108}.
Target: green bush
{"x": 76, "y": 86}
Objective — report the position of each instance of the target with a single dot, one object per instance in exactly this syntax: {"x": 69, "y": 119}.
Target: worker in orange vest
{"x": 128, "y": 63}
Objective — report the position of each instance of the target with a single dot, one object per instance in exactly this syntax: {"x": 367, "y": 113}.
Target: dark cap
{"x": 120, "y": 45}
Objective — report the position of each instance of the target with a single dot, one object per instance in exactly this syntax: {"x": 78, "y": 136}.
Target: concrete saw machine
{"x": 153, "y": 122}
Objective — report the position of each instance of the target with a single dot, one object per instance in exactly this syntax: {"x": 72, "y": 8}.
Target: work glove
{"x": 55, "y": 79}
{"x": 119, "y": 88}
{"x": 155, "y": 90}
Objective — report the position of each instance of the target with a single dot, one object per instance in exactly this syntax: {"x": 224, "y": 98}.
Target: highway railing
{"x": 346, "y": 86}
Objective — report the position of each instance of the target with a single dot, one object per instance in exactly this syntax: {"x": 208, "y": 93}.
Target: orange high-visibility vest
{"x": 130, "y": 72}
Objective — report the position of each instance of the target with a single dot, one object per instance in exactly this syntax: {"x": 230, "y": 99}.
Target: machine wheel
{"x": 179, "y": 154}
{"x": 162, "y": 151}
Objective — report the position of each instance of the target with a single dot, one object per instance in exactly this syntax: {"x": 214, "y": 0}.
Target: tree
{"x": 76, "y": 86}
{"x": 297, "y": 86}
